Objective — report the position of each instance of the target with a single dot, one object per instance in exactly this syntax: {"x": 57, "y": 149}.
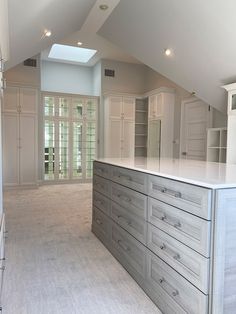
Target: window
{"x": 70, "y": 137}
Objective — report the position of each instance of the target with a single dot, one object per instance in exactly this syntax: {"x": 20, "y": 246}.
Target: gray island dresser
{"x": 172, "y": 225}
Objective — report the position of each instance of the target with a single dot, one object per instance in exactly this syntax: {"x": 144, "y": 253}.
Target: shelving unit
{"x": 217, "y": 144}
{"x": 141, "y": 125}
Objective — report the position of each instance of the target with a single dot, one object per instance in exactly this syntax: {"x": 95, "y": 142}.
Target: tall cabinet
{"x": 119, "y": 126}
{"x": 20, "y": 136}
{"x": 161, "y": 123}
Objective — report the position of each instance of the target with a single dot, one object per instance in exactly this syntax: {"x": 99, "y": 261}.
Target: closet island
{"x": 171, "y": 223}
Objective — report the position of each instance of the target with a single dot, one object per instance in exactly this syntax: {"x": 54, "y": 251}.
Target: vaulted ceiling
{"x": 199, "y": 33}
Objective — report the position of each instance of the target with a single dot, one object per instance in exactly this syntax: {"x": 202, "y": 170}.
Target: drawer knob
{"x": 163, "y": 190}
{"x": 162, "y": 247}
{"x": 163, "y": 217}
{"x": 177, "y": 225}
{"x": 176, "y": 256}
{"x": 99, "y": 221}
{"x": 175, "y": 293}
{"x": 178, "y": 195}
{"x": 162, "y": 279}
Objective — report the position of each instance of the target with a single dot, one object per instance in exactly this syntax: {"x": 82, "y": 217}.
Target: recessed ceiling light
{"x": 103, "y": 7}
{"x": 79, "y": 43}
{"x": 167, "y": 52}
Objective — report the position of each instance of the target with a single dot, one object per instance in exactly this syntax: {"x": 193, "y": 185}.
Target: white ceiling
{"x": 200, "y": 33}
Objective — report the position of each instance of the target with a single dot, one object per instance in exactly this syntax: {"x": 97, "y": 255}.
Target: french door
{"x": 70, "y": 137}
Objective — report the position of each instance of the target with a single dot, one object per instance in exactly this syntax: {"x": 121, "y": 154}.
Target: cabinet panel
{"x": 115, "y": 107}
{"x": 11, "y": 99}
{"x": 173, "y": 288}
{"x": 187, "y": 262}
{"x": 101, "y": 226}
{"x": 189, "y": 229}
{"x": 114, "y": 139}
{"x": 28, "y": 149}
{"x": 127, "y": 139}
{"x": 28, "y": 100}
{"x": 11, "y": 149}
{"x": 129, "y": 108}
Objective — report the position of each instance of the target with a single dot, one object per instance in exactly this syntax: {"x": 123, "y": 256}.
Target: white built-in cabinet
{"x": 20, "y": 136}
{"x": 161, "y": 123}
{"x": 119, "y": 126}
{"x": 216, "y": 144}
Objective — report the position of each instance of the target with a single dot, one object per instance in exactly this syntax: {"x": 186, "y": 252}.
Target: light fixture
{"x": 47, "y": 33}
{"x": 103, "y": 7}
{"x": 167, "y": 52}
{"x": 79, "y": 43}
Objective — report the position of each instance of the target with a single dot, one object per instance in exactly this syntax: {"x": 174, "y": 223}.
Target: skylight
{"x": 70, "y": 53}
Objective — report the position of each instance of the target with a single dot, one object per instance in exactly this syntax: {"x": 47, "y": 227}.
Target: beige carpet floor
{"x": 55, "y": 265}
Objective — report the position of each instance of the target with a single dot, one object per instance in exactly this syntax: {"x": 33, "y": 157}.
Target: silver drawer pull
{"x": 2, "y": 268}
{"x": 176, "y": 256}
{"x": 99, "y": 202}
{"x": 124, "y": 198}
{"x": 124, "y": 177}
{"x": 129, "y": 222}
{"x": 174, "y": 224}
{"x": 100, "y": 170}
{"x": 167, "y": 191}
{"x": 163, "y": 190}
{"x": 123, "y": 246}
{"x": 175, "y": 292}
{"x": 98, "y": 221}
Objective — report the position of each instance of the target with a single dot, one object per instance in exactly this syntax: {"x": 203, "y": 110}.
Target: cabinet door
{"x": 152, "y": 106}
{"x": 128, "y": 139}
{"x": 154, "y": 138}
{"x": 10, "y": 149}
{"x": 28, "y": 147}
{"x": 115, "y": 107}
{"x": 113, "y": 147}
{"x": 11, "y": 99}
{"x": 28, "y": 100}
{"x": 129, "y": 108}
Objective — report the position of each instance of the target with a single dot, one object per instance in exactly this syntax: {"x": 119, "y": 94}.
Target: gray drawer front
{"x": 130, "y": 200}
{"x": 129, "y": 221}
{"x": 189, "y": 229}
{"x": 184, "y": 260}
{"x": 101, "y": 169}
{"x": 173, "y": 289}
{"x": 101, "y": 226}
{"x": 130, "y": 252}
{"x": 102, "y": 202}
{"x": 130, "y": 178}
{"x": 102, "y": 185}
{"x": 193, "y": 199}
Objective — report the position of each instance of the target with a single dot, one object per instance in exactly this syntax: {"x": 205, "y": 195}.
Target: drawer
{"x": 131, "y": 200}
{"x": 129, "y": 221}
{"x": 130, "y": 252}
{"x": 184, "y": 260}
{"x": 130, "y": 178}
{"x": 102, "y": 185}
{"x": 101, "y": 169}
{"x": 191, "y": 198}
{"x": 101, "y": 226}
{"x": 172, "y": 290}
{"x": 189, "y": 229}
{"x": 102, "y": 202}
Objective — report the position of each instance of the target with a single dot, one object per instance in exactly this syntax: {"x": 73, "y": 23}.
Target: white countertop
{"x": 207, "y": 174}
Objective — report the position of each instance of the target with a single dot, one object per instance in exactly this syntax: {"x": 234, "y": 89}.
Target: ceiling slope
{"x": 200, "y": 33}
{"x": 29, "y": 19}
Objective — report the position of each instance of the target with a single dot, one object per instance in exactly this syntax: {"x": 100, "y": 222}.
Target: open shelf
{"x": 217, "y": 144}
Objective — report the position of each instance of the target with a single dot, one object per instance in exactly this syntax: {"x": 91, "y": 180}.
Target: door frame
{"x": 191, "y": 99}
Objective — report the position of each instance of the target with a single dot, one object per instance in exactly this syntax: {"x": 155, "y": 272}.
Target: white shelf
{"x": 216, "y": 144}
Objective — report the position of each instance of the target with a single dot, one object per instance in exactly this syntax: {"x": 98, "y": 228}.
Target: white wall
{"x": 66, "y": 78}
{"x": 97, "y": 79}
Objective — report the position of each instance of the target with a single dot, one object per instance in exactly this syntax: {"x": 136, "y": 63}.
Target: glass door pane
{"x": 63, "y": 150}
{"x": 91, "y": 107}
{"x": 63, "y": 107}
{"x": 49, "y": 106}
{"x": 77, "y": 108}
{"x": 77, "y": 150}
{"x": 90, "y": 147}
{"x": 49, "y": 150}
